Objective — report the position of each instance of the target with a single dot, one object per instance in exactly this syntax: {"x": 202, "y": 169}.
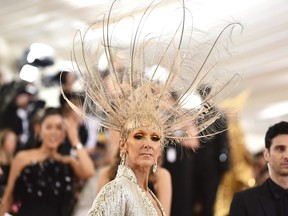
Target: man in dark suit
{"x": 270, "y": 198}
{"x": 21, "y": 106}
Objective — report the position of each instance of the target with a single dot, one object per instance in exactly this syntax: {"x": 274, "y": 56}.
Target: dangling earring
{"x": 154, "y": 168}
{"x": 123, "y": 158}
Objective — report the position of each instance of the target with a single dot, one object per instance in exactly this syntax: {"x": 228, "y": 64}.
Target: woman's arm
{"x": 18, "y": 164}
{"x": 82, "y": 165}
{"x": 163, "y": 189}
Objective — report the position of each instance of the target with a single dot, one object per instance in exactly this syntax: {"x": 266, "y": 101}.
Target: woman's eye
{"x": 138, "y": 136}
{"x": 155, "y": 138}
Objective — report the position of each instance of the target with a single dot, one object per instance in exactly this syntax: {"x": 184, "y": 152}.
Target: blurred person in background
{"x": 240, "y": 176}
{"x": 271, "y": 197}
{"x": 87, "y": 131}
{"x": 19, "y": 109}
{"x": 41, "y": 179}
{"x": 178, "y": 160}
{"x": 8, "y": 144}
{"x": 261, "y": 171}
{"x": 210, "y": 161}
{"x": 202, "y": 161}
{"x": 34, "y": 131}
{"x": 67, "y": 80}
{"x": 89, "y": 190}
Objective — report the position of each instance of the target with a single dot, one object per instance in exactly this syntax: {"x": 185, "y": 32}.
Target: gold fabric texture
{"x": 123, "y": 196}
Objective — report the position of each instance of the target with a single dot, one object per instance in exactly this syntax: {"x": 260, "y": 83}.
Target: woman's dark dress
{"x": 4, "y": 178}
{"x": 45, "y": 189}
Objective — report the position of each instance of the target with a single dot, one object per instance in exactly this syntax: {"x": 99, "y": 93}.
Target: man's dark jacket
{"x": 257, "y": 201}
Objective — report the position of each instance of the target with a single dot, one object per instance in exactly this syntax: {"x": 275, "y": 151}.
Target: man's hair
{"x": 275, "y": 130}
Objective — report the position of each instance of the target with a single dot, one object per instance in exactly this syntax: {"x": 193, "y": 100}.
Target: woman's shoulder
{"x": 110, "y": 199}
{"x": 21, "y": 160}
{"x": 24, "y": 156}
{"x": 119, "y": 185}
{"x": 111, "y": 191}
{"x": 28, "y": 156}
{"x": 26, "y": 153}
{"x": 120, "y": 182}
{"x": 163, "y": 172}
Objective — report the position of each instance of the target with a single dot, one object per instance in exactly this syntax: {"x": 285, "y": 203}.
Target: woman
{"x": 136, "y": 98}
{"x": 8, "y": 144}
{"x": 41, "y": 179}
{"x": 159, "y": 182}
{"x": 139, "y": 150}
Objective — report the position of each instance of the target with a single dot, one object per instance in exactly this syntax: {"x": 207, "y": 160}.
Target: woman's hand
{"x": 72, "y": 127}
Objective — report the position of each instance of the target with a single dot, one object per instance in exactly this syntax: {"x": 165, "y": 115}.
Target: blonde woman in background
{"x": 8, "y": 144}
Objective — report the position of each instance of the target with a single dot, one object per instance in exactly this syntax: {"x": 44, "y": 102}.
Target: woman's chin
{"x": 146, "y": 164}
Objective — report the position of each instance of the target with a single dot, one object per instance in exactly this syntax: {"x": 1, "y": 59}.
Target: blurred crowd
{"x": 198, "y": 175}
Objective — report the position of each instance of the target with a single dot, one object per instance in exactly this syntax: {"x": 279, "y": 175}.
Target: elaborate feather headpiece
{"x": 154, "y": 80}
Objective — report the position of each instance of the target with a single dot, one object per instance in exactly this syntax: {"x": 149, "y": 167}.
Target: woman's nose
{"x": 147, "y": 144}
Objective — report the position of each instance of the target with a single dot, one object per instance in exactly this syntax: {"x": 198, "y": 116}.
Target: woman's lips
{"x": 146, "y": 154}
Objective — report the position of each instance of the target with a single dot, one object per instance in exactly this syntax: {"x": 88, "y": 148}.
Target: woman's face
{"x": 52, "y": 131}
{"x": 142, "y": 148}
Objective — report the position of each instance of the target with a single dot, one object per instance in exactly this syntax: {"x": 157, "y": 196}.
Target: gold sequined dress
{"x": 123, "y": 196}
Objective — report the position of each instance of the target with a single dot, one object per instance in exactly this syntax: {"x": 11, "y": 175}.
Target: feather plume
{"x": 154, "y": 79}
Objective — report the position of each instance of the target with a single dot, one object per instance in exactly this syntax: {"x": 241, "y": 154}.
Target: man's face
{"x": 277, "y": 157}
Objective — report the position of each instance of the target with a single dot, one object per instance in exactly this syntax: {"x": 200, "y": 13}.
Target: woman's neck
{"x": 142, "y": 176}
{"x": 48, "y": 151}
